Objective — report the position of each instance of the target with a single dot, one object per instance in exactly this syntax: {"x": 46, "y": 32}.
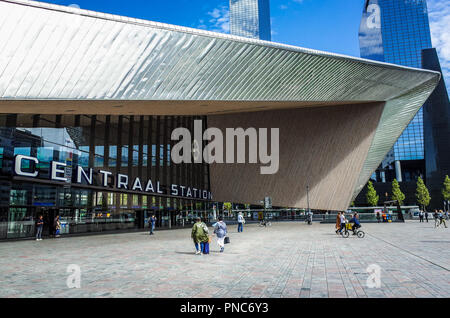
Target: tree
{"x": 422, "y": 194}
{"x": 371, "y": 195}
{"x": 397, "y": 194}
{"x": 446, "y": 188}
{"x": 227, "y": 206}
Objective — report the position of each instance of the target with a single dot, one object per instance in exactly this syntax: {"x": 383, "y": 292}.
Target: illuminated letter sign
{"x": 55, "y": 170}
{"x": 58, "y": 172}
{"x": 81, "y": 172}
{"x": 18, "y": 166}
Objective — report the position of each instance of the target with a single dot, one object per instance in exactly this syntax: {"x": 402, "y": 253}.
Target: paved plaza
{"x": 285, "y": 260}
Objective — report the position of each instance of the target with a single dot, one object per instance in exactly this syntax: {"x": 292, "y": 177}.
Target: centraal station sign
{"x": 62, "y": 172}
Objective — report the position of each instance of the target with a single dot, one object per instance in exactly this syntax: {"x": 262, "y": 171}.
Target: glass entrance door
{"x": 49, "y": 215}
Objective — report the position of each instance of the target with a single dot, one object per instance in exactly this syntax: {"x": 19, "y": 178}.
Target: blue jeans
{"x": 152, "y": 228}
{"x": 240, "y": 227}
{"x": 200, "y": 246}
{"x": 39, "y": 232}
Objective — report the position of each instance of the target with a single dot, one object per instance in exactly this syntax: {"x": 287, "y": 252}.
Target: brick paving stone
{"x": 288, "y": 260}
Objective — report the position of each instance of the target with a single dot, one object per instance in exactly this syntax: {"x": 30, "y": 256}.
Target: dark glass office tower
{"x": 250, "y": 18}
{"x": 436, "y": 117}
{"x": 396, "y": 31}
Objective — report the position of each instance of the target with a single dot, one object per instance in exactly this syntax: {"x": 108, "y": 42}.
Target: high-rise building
{"x": 250, "y": 18}
{"x": 396, "y": 31}
{"x": 436, "y": 115}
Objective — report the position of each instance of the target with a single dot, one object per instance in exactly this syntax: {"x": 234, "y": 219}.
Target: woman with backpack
{"x": 220, "y": 229}
{"x": 200, "y": 236}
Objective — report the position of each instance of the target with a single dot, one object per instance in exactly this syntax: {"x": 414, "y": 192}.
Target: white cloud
{"x": 218, "y": 20}
{"x": 439, "y": 15}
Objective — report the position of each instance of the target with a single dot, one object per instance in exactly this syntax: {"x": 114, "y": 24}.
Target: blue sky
{"x": 328, "y": 25}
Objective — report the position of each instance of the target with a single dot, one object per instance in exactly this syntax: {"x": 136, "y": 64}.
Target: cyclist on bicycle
{"x": 356, "y": 223}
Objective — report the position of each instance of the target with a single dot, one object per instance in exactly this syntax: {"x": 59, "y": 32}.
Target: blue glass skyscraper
{"x": 396, "y": 31}
{"x": 250, "y": 18}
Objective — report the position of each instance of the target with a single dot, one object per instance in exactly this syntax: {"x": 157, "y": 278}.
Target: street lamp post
{"x": 307, "y": 198}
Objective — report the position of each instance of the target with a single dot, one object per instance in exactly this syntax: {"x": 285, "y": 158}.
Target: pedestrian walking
{"x": 151, "y": 224}
{"x": 57, "y": 226}
{"x": 338, "y": 222}
{"x": 343, "y": 221}
{"x": 378, "y": 217}
{"x": 241, "y": 222}
{"x": 199, "y": 235}
{"x": 421, "y": 216}
{"x": 39, "y": 227}
{"x": 426, "y": 216}
{"x": 436, "y": 218}
{"x": 220, "y": 230}
{"x": 442, "y": 218}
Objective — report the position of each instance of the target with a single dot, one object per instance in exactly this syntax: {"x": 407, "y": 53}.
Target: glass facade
{"x": 250, "y": 18}
{"x": 132, "y": 146}
{"x": 437, "y": 134}
{"x": 396, "y": 31}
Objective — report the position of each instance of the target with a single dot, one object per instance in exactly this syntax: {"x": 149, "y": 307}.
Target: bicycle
{"x": 265, "y": 223}
{"x": 308, "y": 220}
{"x": 348, "y": 226}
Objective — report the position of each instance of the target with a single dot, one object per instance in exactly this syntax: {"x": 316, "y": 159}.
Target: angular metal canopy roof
{"x": 58, "y": 53}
